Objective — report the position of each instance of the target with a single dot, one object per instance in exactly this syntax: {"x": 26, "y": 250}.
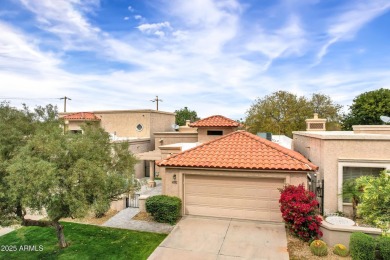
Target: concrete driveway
{"x": 217, "y": 238}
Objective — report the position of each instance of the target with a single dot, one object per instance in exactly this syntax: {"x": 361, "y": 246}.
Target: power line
{"x": 21, "y": 98}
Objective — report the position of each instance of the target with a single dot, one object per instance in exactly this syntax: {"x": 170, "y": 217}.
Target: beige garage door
{"x": 233, "y": 197}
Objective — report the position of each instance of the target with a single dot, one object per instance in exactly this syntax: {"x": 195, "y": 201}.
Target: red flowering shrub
{"x": 300, "y": 212}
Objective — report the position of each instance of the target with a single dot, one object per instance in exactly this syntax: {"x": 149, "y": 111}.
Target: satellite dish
{"x": 385, "y": 119}
{"x": 175, "y": 126}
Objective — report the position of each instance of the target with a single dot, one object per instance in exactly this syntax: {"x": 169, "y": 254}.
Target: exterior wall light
{"x": 174, "y": 179}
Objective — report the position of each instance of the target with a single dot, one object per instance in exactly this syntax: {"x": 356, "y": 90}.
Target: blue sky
{"x": 215, "y": 57}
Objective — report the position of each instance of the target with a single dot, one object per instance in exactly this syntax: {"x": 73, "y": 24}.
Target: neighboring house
{"x": 235, "y": 175}
{"x": 188, "y": 136}
{"x": 343, "y": 155}
{"x": 136, "y": 127}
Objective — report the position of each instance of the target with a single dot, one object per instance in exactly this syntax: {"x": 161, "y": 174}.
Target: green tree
{"x": 15, "y": 126}
{"x": 66, "y": 175}
{"x": 326, "y": 108}
{"x": 367, "y": 108}
{"x": 185, "y": 114}
{"x": 283, "y": 112}
{"x": 375, "y": 200}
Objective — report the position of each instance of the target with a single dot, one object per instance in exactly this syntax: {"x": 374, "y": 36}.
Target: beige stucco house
{"x": 236, "y": 175}
{"x": 343, "y": 155}
{"x": 186, "y": 137}
{"x": 137, "y": 127}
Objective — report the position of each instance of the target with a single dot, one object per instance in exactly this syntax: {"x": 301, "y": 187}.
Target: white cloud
{"x": 126, "y": 18}
{"x": 148, "y": 27}
{"x": 154, "y": 28}
{"x": 138, "y": 17}
{"x": 286, "y": 41}
{"x": 21, "y": 53}
{"x": 347, "y": 24}
{"x": 130, "y": 8}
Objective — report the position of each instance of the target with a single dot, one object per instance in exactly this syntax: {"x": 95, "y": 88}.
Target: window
{"x": 76, "y": 131}
{"x": 139, "y": 127}
{"x": 214, "y": 132}
{"x": 350, "y": 173}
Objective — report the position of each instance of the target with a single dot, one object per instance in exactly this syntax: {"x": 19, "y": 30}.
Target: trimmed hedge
{"x": 163, "y": 208}
{"x": 384, "y": 247}
{"x": 362, "y": 246}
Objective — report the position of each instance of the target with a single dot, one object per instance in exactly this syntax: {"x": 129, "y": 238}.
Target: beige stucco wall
{"x": 331, "y": 154}
{"x": 336, "y": 234}
{"x": 171, "y": 188}
{"x": 139, "y": 146}
{"x": 124, "y": 122}
{"x": 203, "y": 137}
{"x": 165, "y": 138}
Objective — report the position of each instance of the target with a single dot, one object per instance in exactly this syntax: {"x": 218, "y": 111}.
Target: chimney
{"x": 188, "y": 123}
{"x": 315, "y": 124}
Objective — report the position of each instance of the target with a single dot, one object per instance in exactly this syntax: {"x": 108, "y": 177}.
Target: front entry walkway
{"x": 217, "y": 238}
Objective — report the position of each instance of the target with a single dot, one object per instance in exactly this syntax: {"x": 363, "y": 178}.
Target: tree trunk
{"x": 45, "y": 223}
{"x": 354, "y": 209}
{"x": 60, "y": 234}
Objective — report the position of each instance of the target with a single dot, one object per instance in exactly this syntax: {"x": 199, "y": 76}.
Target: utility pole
{"x": 65, "y": 98}
{"x": 156, "y": 100}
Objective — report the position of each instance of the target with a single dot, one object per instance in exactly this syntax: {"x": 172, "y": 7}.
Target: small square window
{"x": 214, "y": 132}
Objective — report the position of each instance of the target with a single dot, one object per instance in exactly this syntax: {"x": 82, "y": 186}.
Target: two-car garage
{"x": 232, "y": 197}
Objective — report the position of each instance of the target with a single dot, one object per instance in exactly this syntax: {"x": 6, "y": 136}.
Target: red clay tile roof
{"x": 215, "y": 121}
{"x": 240, "y": 150}
{"x": 82, "y": 116}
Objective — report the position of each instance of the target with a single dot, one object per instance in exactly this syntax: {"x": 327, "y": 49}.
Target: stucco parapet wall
{"x": 367, "y": 230}
{"x": 156, "y": 134}
{"x": 342, "y": 135}
{"x": 369, "y": 128}
{"x": 132, "y": 140}
{"x": 336, "y": 234}
{"x": 122, "y": 111}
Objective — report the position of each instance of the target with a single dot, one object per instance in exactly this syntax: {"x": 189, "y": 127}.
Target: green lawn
{"x": 86, "y": 242}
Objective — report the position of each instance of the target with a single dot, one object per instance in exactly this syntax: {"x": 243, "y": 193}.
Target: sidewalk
{"x": 124, "y": 218}
{"x": 6, "y": 230}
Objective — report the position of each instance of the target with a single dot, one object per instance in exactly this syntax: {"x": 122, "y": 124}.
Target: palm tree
{"x": 352, "y": 192}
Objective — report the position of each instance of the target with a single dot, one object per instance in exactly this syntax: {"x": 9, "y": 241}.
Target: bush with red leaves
{"x": 300, "y": 212}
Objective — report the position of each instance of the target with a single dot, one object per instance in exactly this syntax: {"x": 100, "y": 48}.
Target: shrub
{"x": 384, "y": 246}
{"x": 341, "y": 250}
{"x": 164, "y": 208}
{"x": 362, "y": 246}
{"x": 100, "y": 208}
{"x": 299, "y": 212}
{"x": 375, "y": 203}
{"x": 319, "y": 248}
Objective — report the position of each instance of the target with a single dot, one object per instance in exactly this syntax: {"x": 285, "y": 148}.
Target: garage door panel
{"x": 233, "y": 197}
{"x": 235, "y": 213}
{"x": 240, "y": 203}
{"x": 232, "y": 191}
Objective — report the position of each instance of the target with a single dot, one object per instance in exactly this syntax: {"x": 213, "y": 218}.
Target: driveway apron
{"x": 217, "y": 238}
